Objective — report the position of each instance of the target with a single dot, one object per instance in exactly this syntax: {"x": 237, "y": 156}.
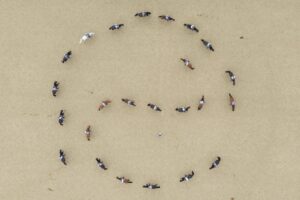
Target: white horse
{"x": 86, "y": 36}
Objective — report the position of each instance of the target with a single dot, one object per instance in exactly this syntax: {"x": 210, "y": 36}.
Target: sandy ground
{"x": 259, "y": 143}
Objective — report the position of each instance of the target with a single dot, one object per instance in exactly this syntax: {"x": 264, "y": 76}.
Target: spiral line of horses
{"x": 130, "y": 102}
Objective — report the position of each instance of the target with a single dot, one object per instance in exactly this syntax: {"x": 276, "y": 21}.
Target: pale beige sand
{"x": 259, "y": 143}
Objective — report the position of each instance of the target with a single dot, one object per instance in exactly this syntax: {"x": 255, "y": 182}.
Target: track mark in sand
{"x": 91, "y": 92}
{"x": 31, "y": 114}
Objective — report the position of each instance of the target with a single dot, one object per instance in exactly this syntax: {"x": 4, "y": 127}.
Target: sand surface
{"x": 259, "y": 143}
